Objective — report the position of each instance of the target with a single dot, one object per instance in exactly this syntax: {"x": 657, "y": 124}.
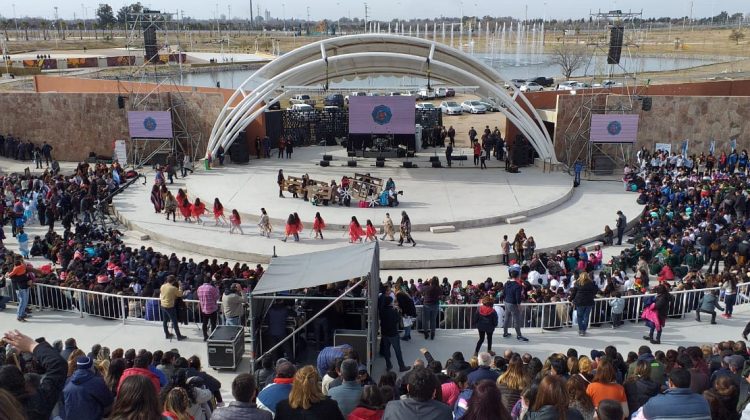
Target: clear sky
{"x": 383, "y": 9}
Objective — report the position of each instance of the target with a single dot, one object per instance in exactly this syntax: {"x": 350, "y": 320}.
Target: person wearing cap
{"x": 513, "y": 298}
{"x": 86, "y": 395}
{"x": 270, "y": 396}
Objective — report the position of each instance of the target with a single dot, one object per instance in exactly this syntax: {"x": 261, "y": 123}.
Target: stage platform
{"x": 475, "y": 201}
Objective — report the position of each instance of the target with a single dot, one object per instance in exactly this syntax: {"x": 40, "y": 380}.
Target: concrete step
{"x": 442, "y": 229}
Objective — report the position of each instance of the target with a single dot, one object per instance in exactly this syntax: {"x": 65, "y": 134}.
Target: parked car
{"x": 425, "y": 105}
{"x": 425, "y": 93}
{"x": 441, "y": 92}
{"x": 334, "y": 99}
{"x": 473, "y": 107}
{"x": 606, "y": 84}
{"x": 572, "y": 85}
{"x": 346, "y": 98}
{"x": 531, "y": 87}
{"x": 331, "y": 108}
{"x": 491, "y": 107}
{"x": 302, "y": 99}
{"x": 301, "y": 108}
{"x": 304, "y": 112}
{"x": 394, "y": 93}
{"x": 544, "y": 81}
{"x": 374, "y": 94}
{"x": 451, "y": 108}
{"x": 515, "y": 82}
{"x": 450, "y": 92}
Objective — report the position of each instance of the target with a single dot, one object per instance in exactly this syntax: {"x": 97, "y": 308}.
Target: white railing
{"x": 545, "y": 316}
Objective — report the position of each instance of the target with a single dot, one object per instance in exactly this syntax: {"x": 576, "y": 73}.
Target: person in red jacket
{"x": 140, "y": 367}
{"x": 371, "y": 405}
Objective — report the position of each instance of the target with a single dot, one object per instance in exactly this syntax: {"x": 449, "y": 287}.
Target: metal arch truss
{"x": 374, "y": 55}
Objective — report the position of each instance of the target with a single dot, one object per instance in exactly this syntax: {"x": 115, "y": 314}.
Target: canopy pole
{"x": 252, "y": 335}
{"x": 333, "y": 302}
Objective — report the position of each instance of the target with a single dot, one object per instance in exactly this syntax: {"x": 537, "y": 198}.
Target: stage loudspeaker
{"x": 436, "y": 164}
{"x": 351, "y": 153}
{"x": 239, "y": 150}
{"x": 121, "y": 102}
{"x": 646, "y": 104}
{"x": 408, "y": 165}
{"x": 150, "y": 44}
{"x": 410, "y": 153}
{"x": 434, "y": 159}
{"x": 351, "y": 163}
{"x": 380, "y": 158}
{"x": 327, "y": 158}
{"x": 616, "y": 35}
{"x": 324, "y": 163}
{"x": 380, "y": 163}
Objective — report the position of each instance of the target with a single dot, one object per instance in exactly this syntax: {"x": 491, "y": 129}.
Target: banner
{"x": 614, "y": 128}
{"x": 76, "y": 63}
{"x": 120, "y": 152}
{"x": 381, "y": 115}
{"x": 712, "y": 147}
{"x": 120, "y": 60}
{"x": 150, "y": 124}
{"x": 663, "y": 147}
{"x": 684, "y": 147}
{"x": 733, "y": 144}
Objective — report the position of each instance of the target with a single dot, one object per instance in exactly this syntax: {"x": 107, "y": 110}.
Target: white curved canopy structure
{"x": 373, "y": 55}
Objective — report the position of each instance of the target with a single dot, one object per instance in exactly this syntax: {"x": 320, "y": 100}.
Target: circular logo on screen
{"x": 149, "y": 124}
{"x": 382, "y": 115}
{"x": 614, "y": 128}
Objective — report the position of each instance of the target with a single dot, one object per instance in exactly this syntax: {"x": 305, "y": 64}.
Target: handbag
{"x": 408, "y": 321}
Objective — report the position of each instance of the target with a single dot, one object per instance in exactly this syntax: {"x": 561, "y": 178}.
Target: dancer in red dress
{"x": 219, "y": 213}
{"x": 198, "y": 210}
{"x": 298, "y": 227}
{"x": 355, "y": 231}
{"x": 185, "y": 208}
{"x": 291, "y": 227}
{"x": 235, "y": 222}
{"x": 318, "y": 226}
{"x": 370, "y": 232}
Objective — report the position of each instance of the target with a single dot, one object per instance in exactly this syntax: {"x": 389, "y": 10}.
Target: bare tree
{"x": 736, "y": 36}
{"x": 570, "y": 57}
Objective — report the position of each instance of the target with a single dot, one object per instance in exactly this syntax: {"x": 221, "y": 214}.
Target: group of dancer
{"x": 193, "y": 211}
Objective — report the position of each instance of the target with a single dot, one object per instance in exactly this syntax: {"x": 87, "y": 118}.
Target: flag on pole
{"x": 684, "y": 147}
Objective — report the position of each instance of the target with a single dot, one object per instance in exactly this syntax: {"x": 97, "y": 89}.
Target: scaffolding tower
{"x": 578, "y": 146}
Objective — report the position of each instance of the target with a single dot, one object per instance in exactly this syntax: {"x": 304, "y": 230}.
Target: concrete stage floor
{"x": 475, "y": 201}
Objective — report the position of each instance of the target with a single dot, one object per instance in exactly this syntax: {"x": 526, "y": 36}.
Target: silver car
{"x": 473, "y": 107}
{"x": 451, "y": 108}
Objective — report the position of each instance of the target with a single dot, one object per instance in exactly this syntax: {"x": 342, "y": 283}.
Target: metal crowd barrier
{"x": 545, "y": 316}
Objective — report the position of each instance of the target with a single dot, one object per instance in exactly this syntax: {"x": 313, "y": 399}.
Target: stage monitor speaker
{"x": 380, "y": 158}
{"x": 150, "y": 44}
{"x": 436, "y": 164}
{"x": 327, "y": 158}
{"x": 646, "y": 104}
{"x": 351, "y": 163}
{"x": 408, "y": 164}
{"x": 410, "y": 153}
{"x": 239, "y": 151}
{"x": 121, "y": 102}
{"x": 324, "y": 163}
{"x": 380, "y": 163}
{"x": 616, "y": 35}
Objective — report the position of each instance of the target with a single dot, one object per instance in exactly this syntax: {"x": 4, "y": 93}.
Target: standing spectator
{"x": 282, "y": 146}
{"x": 277, "y": 316}
{"x": 676, "y": 402}
{"x": 266, "y": 147}
{"x": 406, "y": 230}
{"x": 168, "y": 295}
{"x": 86, "y": 394}
{"x": 513, "y": 298}
{"x": 233, "y": 304}
{"x": 582, "y": 296}
{"x": 661, "y": 308}
{"x": 408, "y": 310}
{"x": 208, "y": 297}
{"x": 477, "y": 151}
{"x": 452, "y": 135}
{"x": 709, "y": 302}
{"x": 389, "y": 320}
{"x": 485, "y": 318}
{"x": 220, "y": 155}
{"x": 431, "y": 295}
{"x": 420, "y": 404}
{"x": 618, "y": 307}
{"x": 21, "y": 284}
{"x": 38, "y": 399}
{"x": 280, "y": 181}
{"x": 257, "y": 146}
{"x": 47, "y": 152}
{"x": 306, "y": 399}
{"x": 622, "y": 222}
{"x": 289, "y": 148}
{"x": 504, "y": 250}
{"x": 729, "y": 286}
{"x": 244, "y": 393}
{"x": 270, "y": 396}
{"x": 348, "y": 394}
{"x": 448, "y": 153}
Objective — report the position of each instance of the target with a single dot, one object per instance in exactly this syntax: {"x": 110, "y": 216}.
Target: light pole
{"x": 283, "y": 14}
{"x": 83, "y": 16}
{"x": 15, "y": 19}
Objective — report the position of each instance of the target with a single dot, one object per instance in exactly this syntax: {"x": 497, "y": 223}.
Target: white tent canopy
{"x": 319, "y": 268}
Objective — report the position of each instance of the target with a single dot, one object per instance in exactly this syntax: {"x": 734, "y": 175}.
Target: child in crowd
{"x": 235, "y": 222}
{"x": 618, "y": 307}
{"x": 318, "y": 226}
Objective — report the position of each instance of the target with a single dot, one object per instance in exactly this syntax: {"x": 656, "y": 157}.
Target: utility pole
{"x": 252, "y": 21}
{"x": 308, "y": 20}
{"x": 365, "y": 17}
{"x": 15, "y": 19}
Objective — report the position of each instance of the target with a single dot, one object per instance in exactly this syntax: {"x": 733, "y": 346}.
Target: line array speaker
{"x": 352, "y": 163}
{"x": 616, "y": 35}
{"x": 150, "y": 44}
{"x": 380, "y": 163}
{"x": 646, "y": 104}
